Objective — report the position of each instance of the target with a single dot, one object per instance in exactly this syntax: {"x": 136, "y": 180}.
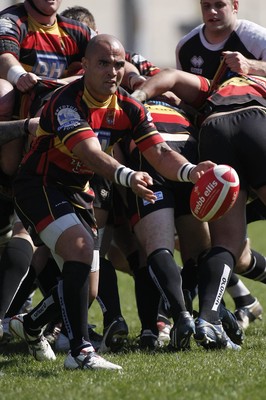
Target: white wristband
{"x": 123, "y": 176}
{"x": 183, "y": 174}
{"x": 14, "y": 73}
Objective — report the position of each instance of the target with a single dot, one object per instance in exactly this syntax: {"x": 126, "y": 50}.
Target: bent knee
{"x": 7, "y": 100}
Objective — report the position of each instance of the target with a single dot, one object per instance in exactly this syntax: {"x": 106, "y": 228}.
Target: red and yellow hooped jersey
{"x": 47, "y": 51}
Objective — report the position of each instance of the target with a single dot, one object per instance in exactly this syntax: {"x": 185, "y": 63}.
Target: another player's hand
{"x": 139, "y": 184}
{"x": 140, "y": 95}
{"x": 199, "y": 170}
{"x": 170, "y": 98}
{"x": 236, "y": 62}
{"x": 26, "y": 82}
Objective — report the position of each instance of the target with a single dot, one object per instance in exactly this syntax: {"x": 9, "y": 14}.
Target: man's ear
{"x": 84, "y": 62}
{"x": 235, "y": 6}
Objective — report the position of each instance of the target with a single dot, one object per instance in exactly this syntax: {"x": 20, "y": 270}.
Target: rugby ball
{"x": 214, "y": 193}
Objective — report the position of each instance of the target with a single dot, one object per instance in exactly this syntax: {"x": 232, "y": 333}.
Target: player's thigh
{"x": 230, "y": 230}
{"x": 194, "y": 236}
{"x": 156, "y": 230}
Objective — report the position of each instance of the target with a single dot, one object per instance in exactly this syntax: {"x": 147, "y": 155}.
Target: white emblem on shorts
{"x": 159, "y": 196}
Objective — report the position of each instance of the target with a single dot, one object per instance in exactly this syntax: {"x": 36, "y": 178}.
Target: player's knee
{"x": 7, "y": 100}
{"x": 159, "y": 256}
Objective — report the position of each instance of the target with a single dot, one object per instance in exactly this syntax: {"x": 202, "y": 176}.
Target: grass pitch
{"x": 193, "y": 375}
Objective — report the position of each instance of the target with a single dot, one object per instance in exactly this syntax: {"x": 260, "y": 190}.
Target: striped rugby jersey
{"x": 47, "y": 51}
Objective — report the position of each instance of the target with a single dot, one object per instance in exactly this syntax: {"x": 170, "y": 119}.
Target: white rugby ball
{"x": 214, "y": 193}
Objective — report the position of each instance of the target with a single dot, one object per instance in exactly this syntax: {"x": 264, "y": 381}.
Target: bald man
{"x": 52, "y": 195}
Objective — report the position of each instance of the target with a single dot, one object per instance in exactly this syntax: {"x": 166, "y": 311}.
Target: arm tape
{"x": 14, "y": 73}
{"x": 123, "y": 176}
{"x": 183, "y": 174}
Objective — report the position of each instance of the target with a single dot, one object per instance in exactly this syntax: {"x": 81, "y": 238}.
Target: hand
{"x": 26, "y": 82}
{"x": 169, "y": 98}
{"x": 236, "y": 62}
{"x": 136, "y": 81}
{"x": 200, "y": 169}
{"x": 140, "y": 95}
{"x": 139, "y": 182}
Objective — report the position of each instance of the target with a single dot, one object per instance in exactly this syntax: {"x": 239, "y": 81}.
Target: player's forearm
{"x": 166, "y": 161}
{"x": 257, "y": 67}
{"x": 11, "y": 130}
{"x": 10, "y": 68}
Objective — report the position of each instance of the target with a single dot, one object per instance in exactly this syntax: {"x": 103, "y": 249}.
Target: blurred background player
{"x": 240, "y": 97}
{"x": 242, "y": 45}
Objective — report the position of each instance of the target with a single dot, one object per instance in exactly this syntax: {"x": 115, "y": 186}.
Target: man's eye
{"x": 103, "y": 63}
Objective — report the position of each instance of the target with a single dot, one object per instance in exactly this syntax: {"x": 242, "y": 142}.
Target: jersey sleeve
{"x": 9, "y": 36}
{"x": 67, "y": 123}
{"x": 144, "y": 66}
{"x": 144, "y": 133}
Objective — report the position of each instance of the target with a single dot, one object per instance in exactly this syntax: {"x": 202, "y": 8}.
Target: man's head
{"x": 219, "y": 17}
{"x": 81, "y": 14}
{"x": 43, "y": 10}
{"x": 104, "y": 65}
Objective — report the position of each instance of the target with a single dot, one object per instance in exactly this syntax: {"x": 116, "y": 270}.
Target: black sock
{"x": 73, "y": 292}
{"x": 255, "y": 211}
{"x": 23, "y": 293}
{"x": 244, "y": 301}
{"x": 14, "y": 265}
{"x": 47, "y": 310}
{"x": 49, "y": 276}
{"x": 147, "y": 299}
{"x": 146, "y": 293}
{"x": 167, "y": 276}
{"x": 164, "y": 313}
{"x": 257, "y": 268}
{"x": 108, "y": 295}
{"x": 233, "y": 280}
{"x": 240, "y": 301}
{"x": 189, "y": 275}
{"x": 214, "y": 273}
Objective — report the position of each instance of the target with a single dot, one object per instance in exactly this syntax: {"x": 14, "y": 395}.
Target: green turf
{"x": 193, "y": 375}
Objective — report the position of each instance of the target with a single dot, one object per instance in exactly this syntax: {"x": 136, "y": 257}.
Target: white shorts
{"x": 53, "y": 231}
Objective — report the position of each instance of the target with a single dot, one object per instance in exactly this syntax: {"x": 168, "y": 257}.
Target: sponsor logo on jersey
{"x": 197, "y": 62}
{"x": 104, "y": 138}
{"x": 49, "y": 65}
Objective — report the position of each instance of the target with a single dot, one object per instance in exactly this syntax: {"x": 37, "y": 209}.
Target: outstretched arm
{"x": 173, "y": 165}
{"x": 183, "y": 84}
{"x": 11, "y": 130}
{"x": 90, "y": 153}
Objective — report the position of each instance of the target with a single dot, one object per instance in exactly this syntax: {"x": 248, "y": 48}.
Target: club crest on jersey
{"x": 67, "y": 117}
{"x": 110, "y": 117}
